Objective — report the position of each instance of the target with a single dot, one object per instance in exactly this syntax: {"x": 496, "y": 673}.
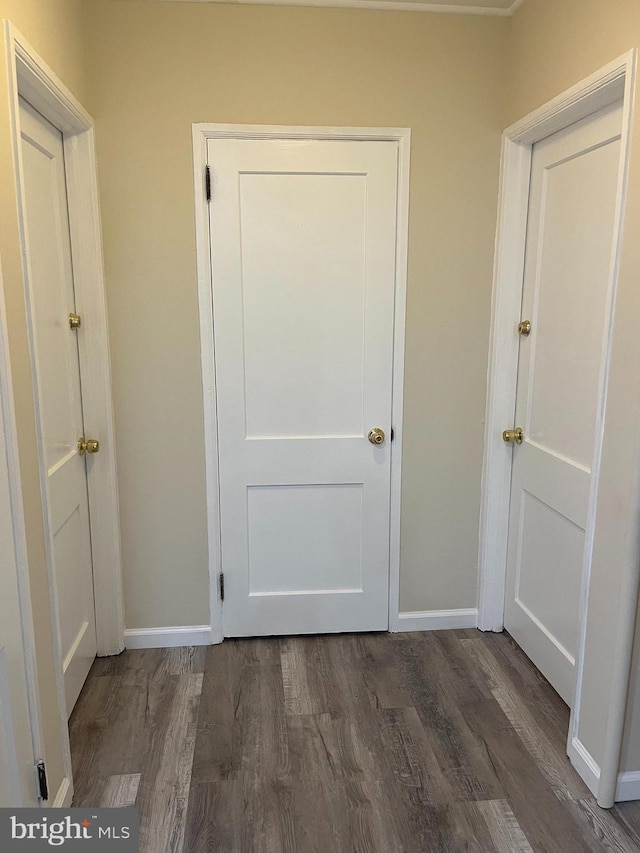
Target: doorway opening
{"x": 302, "y": 255}
{"x": 53, "y": 147}
{"x": 512, "y": 352}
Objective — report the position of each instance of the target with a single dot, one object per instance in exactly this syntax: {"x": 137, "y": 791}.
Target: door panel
{"x": 566, "y": 295}
{"x": 314, "y": 299}
{"x": 326, "y": 538}
{"x": 59, "y": 392}
{"x": 303, "y": 261}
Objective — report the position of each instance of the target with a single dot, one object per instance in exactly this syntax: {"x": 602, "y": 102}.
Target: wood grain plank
{"x": 461, "y": 753}
{"x": 410, "y": 761}
{"x": 120, "y": 792}
{"x": 552, "y": 713}
{"x": 469, "y": 829}
{"x": 600, "y": 830}
{"x": 627, "y": 815}
{"x": 218, "y": 752}
{"x": 541, "y": 814}
{"x": 241, "y": 723}
{"x": 554, "y": 765}
{"x": 505, "y": 831}
{"x": 166, "y": 782}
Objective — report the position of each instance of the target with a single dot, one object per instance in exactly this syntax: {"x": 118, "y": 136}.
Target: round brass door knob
{"x": 513, "y": 436}
{"x": 376, "y": 436}
{"x": 89, "y": 445}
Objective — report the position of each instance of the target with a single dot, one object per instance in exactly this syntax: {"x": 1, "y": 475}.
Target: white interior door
{"x": 59, "y": 393}
{"x": 566, "y": 297}
{"x": 303, "y": 236}
{"x": 17, "y": 772}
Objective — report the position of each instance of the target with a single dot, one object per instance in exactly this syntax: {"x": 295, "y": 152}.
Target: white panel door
{"x": 17, "y": 773}
{"x": 567, "y": 299}
{"x": 59, "y": 392}
{"x": 303, "y": 237}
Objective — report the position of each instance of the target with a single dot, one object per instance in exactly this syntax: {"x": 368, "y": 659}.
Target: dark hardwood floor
{"x": 394, "y": 743}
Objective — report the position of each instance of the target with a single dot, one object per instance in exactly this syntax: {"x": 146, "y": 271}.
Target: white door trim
{"x": 614, "y": 82}
{"x": 201, "y": 134}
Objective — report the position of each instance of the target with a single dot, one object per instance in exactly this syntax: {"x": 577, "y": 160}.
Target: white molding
{"x": 97, "y": 402}
{"x": 601, "y": 89}
{"x": 437, "y": 620}
{"x": 207, "y": 355}
{"x": 397, "y": 405}
{"x": 201, "y": 133}
{"x": 628, "y": 787}
{"x": 619, "y": 80}
{"x": 168, "y": 638}
{"x": 380, "y": 5}
{"x": 627, "y": 784}
{"x": 501, "y": 382}
{"x": 64, "y": 795}
{"x": 584, "y": 764}
{"x": 32, "y": 78}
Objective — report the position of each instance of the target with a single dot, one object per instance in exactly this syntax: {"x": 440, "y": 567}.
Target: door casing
{"x": 612, "y": 83}
{"x": 31, "y": 78}
{"x": 201, "y": 133}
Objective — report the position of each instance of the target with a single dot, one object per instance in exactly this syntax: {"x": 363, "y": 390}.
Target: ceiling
{"x": 463, "y": 7}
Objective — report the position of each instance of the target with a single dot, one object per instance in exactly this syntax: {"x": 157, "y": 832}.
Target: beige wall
{"x": 154, "y": 69}
{"x": 552, "y": 46}
{"x": 53, "y": 27}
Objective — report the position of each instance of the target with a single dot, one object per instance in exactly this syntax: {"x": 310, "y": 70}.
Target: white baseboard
{"x": 437, "y": 620}
{"x": 628, "y": 787}
{"x": 64, "y": 797}
{"x": 166, "y": 638}
{"x": 585, "y": 765}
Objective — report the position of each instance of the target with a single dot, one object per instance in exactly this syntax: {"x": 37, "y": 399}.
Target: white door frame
{"x": 31, "y": 78}
{"x": 201, "y": 134}
{"x": 612, "y": 83}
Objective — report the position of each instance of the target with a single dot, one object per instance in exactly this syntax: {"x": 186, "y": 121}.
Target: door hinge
{"x": 43, "y": 788}
{"x": 221, "y": 581}
{"x": 391, "y": 435}
{"x": 207, "y": 182}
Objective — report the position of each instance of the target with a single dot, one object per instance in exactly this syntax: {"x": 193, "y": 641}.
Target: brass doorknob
{"x": 89, "y": 445}
{"x": 513, "y": 436}
{"x": 376, "y": 436}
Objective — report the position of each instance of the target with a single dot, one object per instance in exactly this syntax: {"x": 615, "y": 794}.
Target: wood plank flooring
{"x": 375, "y": 743}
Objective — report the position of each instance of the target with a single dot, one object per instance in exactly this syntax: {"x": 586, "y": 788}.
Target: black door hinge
{"x": 207, "y": 182}
{"x": 43, "y": 788}
{"x": 221, "y": 581}
{"x": 391, "y": 436}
